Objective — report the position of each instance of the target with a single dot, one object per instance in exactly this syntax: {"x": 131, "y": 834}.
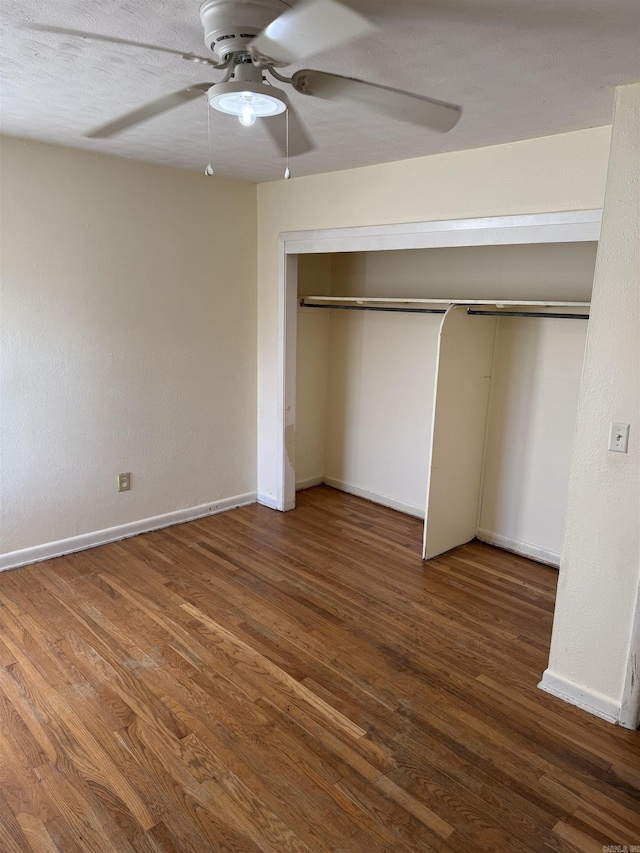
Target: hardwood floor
{"x": 299, "y": 682}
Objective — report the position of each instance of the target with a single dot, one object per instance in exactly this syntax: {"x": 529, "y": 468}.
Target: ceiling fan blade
{"x": 299, "y": 140}
{"x": 309, "y": 28}
{"x": 162, "y": 105}
{"x": 415, "y": 109}
{"x": 63, "y": 31}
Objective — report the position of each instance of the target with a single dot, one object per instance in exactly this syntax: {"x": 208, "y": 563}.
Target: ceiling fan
{"x": 249, "y": 39}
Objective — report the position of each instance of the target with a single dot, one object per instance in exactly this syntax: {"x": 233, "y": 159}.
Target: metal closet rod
{"x": 552, "y": 316}
{"x": 333, "y": 307}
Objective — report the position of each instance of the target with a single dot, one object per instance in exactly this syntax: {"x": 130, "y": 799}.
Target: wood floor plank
{"x": 66, "y": 723}
{"x": 91, "y": 826}
{"x": 577, "y": 839}
{"x": 279, "y": 759}
{"x": 259, "y": 681}
{"x": 12, "y": 837}
{"x": 296, "y": 688}
{"x": 36, "y": 833}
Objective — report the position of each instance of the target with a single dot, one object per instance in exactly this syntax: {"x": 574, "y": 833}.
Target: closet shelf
{"x": 392, "y": 300}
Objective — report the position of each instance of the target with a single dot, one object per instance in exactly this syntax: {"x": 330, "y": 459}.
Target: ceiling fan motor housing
{"x": 231, "y": 25}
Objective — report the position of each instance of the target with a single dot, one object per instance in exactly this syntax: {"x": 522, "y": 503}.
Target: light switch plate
{"x": 619, "y": 438}
{"x": 124, "y": 482}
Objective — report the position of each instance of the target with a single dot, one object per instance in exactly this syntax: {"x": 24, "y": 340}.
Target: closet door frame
{"x": 563, "y": 227}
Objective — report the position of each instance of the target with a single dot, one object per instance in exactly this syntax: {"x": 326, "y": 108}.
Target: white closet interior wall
{"x": 533, "y": 402}
{"x": 312, "y": 371}
{"x": 365, "y": 380}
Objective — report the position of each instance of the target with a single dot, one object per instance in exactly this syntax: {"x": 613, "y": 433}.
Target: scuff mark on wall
{"x": 290, "y": 444}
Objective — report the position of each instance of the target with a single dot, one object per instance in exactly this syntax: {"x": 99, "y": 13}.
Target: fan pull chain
{"x": 208, "y": 169}
{"x": 287, "y": 171}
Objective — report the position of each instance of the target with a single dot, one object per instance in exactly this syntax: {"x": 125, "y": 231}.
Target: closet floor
{"x": 258, "y": 681}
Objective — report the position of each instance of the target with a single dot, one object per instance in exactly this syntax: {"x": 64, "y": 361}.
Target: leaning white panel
{"x": 465, "y": 353}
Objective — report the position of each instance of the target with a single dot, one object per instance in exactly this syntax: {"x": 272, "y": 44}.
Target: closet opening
{"x": 440, "y": 380}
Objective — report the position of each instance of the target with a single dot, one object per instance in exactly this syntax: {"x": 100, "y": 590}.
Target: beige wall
{"x": 599, "y": 573}
{"x": 128, "y": 341}
{"x": 553, "y": 271}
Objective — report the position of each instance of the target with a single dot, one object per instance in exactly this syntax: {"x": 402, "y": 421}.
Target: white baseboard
{"x": 267, "y": 500}
{"x": 309, "y": 483}
{"x": 577, "y": 694}
{"x": 534, "y": 552}
{"x": 385, "y": 500}
{"x": 36, "y": 554}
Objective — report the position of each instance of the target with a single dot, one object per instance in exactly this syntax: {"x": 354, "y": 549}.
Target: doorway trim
{"x": 563, "y": 227}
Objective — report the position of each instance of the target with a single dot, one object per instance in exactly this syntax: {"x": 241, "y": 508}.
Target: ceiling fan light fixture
{"x": 247, "y": 101}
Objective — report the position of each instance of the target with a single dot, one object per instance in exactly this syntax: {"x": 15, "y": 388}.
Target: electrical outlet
{"x": 619, "y": 438}
{"x": 124, "y": 482}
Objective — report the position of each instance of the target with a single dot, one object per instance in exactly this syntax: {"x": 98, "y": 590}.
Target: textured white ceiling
{"x": 519, "y": 68}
